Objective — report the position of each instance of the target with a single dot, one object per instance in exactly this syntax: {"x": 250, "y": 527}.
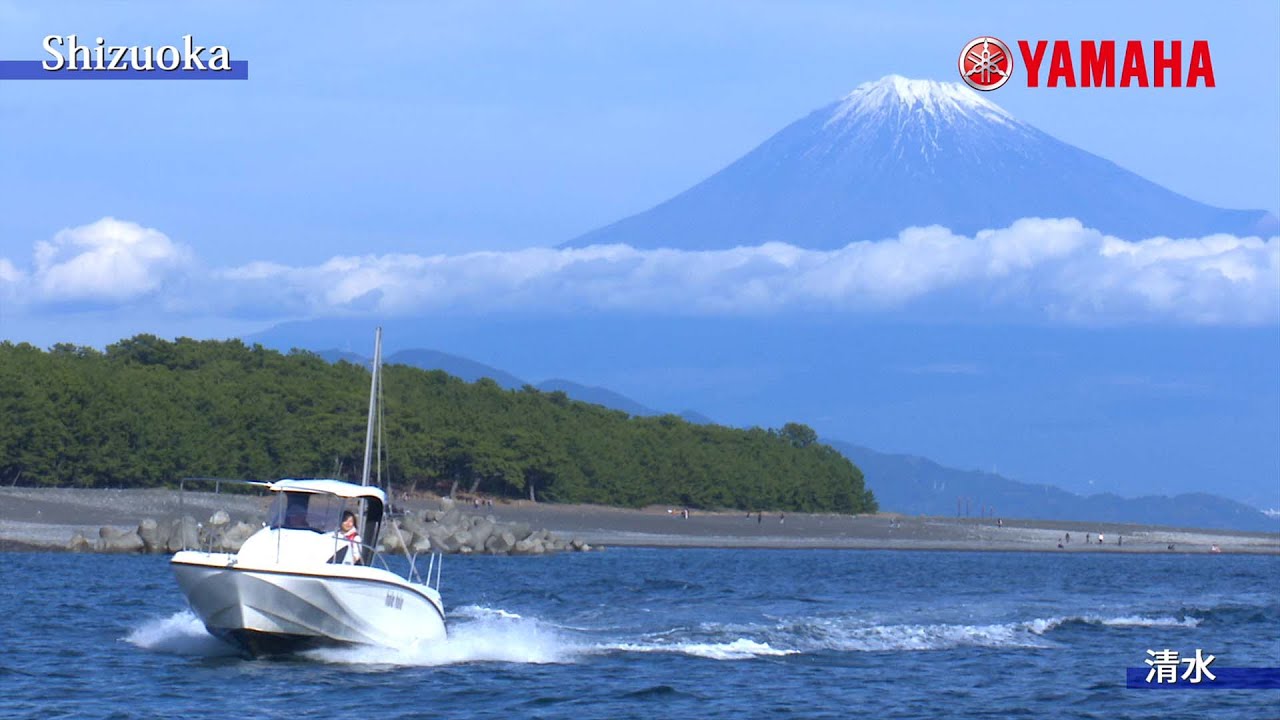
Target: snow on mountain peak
{"x": 894, "y": 93}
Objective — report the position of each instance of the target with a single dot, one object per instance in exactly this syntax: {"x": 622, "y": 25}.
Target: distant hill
{"x": 149, "y": 411}
{"x": 335, "y": 356}
{"x": 898, "y": 153}
{"x": 597, "y": 396}
{"x": 696, "y": 417}
{"x": 455, "y": 365}
{"x": 615, "y": 401}
{"x": 918, "y": 486}
{"x": 903, "y": 483}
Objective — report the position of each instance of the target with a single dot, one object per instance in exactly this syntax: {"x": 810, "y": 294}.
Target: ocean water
{"x": 644, "y": 633}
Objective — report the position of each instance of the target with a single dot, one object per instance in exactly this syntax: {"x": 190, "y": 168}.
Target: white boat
{"x": 298, "y": 583}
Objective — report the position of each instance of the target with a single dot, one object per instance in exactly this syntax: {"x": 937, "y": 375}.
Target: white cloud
{"x": 8, "y": 272}
{"x": 109, "y": 261}
{"x": 1056, "y": 270}
{"x": 11, "y": 281}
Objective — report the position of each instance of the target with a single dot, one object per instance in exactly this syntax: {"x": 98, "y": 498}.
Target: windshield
{"x": 306, "y": 511}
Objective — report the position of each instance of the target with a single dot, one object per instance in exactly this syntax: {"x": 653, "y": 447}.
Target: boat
{"x": 300, "y": 582}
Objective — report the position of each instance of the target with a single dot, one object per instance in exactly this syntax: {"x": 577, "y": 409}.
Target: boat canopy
{"x": 330, "y": 487}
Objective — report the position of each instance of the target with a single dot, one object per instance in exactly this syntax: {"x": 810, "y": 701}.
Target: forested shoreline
{"x": 147, "y": 412}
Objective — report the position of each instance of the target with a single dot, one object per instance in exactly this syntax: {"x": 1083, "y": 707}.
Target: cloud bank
{"x": 109, "y": 262}
{"x": 1052, "y": 269}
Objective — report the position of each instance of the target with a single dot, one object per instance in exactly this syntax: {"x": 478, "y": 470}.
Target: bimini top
{"x": 329, "y": 487}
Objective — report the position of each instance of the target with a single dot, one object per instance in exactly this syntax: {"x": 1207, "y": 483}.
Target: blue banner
{"x": 1226, "y": 678}
{"x": 34, "y": 70}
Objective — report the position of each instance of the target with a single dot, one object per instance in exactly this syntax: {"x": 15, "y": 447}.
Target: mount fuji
{"x": 897, "y": 153}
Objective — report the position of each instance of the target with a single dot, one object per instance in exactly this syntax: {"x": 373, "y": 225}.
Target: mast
{"x": 373, "y": 406}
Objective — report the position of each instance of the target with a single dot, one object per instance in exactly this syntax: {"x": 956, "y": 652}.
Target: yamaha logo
{"x": 986, "y": 63}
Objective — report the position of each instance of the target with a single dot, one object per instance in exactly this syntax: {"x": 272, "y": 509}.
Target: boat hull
{"x": 273, "y": 610}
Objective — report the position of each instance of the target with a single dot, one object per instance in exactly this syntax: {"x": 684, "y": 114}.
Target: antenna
{"x": 373, "y": 403}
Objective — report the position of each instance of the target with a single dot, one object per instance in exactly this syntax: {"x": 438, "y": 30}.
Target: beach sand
{"x": 46, "y": 518}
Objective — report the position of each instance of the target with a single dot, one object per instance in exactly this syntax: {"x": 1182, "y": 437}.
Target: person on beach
{"x": 349, "y": 553}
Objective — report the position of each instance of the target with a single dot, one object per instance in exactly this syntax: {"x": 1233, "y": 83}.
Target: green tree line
{"x": 147, "y": 412}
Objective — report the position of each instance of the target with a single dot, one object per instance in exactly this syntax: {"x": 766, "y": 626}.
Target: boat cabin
{"x": 305, "y": 517}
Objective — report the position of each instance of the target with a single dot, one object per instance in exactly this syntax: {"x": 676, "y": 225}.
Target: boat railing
{"x": 435, "y": 566}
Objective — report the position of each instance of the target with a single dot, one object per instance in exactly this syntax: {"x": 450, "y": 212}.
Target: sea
{"x": 673, "y": 633}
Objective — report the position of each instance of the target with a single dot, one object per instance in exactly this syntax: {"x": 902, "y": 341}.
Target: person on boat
{"x": 349, "y": 552}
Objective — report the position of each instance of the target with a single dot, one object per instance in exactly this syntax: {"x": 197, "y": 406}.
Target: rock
{"x": 500, "y": 543}
{"x": 450, "y": 518}
{"x": 412, "y": 526}
{"x": 480, "y": 532}
{"x": 184, "y": 534}
{"x": 390, "y": 544}
{"x": 113, "y": 540}
{"x": 577, "y": 544}
{"x": 451, "y": 531}
{"x": 393, "y": 540}
{"x": 219, "y": 519}
{"x": 233, "y": 537}
{"x": 149, "y": 531}
{"x": 79, "y": 543}
{"x": 447, "y": 544}
{"x": 529, "y": 546}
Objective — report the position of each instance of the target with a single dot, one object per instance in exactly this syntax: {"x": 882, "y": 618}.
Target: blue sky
{"x": 420, "y": 158}
{"x": 446, "y": 127}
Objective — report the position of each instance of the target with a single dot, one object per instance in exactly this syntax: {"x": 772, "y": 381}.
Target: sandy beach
{"x": 46, "y": 519}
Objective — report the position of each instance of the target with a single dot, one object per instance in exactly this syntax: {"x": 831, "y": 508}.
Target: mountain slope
{"x": 914, "y": 485}
{"x": 597, "y": 396}
{"x": 898, "y": 153}
{"x": 460, "y": 367}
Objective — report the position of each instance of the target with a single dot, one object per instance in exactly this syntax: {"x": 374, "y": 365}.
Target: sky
{"x": 405, "y": 159}
{"x": 383, "y": 130}
{"x": 458, "y": 126}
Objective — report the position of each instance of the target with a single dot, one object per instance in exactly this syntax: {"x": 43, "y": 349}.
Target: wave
{"x": 739, "y": 649}
{"x": 179, "y": 634}
{"x": 479, "y": 612}
{"x": 479, "y": 634}
{"x": 1265, "y": 612}
{"x": 482, "y": 635}
{"x": 850, "y": 634}
{"x": 1138, "y": 621}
